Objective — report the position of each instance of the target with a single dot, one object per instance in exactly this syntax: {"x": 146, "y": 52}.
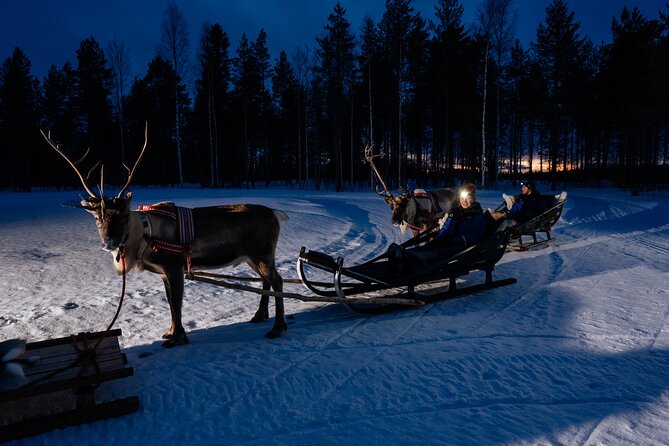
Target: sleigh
{"x": 542, "y": 223}
{"x": 63, "y": 385}
{"x": 378, "y": 278}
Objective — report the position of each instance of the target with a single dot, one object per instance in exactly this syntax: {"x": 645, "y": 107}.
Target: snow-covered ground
{"x": 577, "y": 352}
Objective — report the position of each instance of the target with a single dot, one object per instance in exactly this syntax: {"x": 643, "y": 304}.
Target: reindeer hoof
{"x": 277, "y": 331}
{"x": 174, "y": 342}
{"x": 259, "y": 317}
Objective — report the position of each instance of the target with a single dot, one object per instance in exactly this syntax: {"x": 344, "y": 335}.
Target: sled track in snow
{"x": 555, "y": 270}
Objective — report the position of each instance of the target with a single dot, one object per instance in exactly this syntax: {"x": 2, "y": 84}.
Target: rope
{"x": 417, "y": 228}
{"x": 87, "y": 351}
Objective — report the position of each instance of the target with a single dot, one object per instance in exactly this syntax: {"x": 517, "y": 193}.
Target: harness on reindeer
{"x": 435, "y": 211}
{"x": 183, "y": 218}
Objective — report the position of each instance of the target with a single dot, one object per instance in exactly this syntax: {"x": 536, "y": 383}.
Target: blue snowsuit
{"x": 463, "y": 228}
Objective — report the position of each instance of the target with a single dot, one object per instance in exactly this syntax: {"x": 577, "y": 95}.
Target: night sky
{"x": 50, "y": 32}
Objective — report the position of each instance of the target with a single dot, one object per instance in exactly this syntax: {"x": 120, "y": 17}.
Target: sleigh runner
{"x": 377, "y": 276}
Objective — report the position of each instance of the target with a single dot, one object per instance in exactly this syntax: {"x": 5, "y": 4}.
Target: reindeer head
{"x": 112, "y": 215}
{"x": 403, "y": 208}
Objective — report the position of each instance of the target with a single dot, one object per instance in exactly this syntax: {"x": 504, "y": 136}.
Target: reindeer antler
{"x": 370, "y": 159}
{"x": 131, "y": 173}
{"x": 56, "y": 147}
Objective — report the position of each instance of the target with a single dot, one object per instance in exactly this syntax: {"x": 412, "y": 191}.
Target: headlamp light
{"x": 464, "y": 194}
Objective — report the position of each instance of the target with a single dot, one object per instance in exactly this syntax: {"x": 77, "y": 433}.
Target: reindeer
{"x": 418, "y": 210}
{"x": 224, "y": 235}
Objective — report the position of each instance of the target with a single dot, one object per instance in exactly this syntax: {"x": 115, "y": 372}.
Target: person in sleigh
{"x": 524, "y": 207}
{"x": 465, "y": 226}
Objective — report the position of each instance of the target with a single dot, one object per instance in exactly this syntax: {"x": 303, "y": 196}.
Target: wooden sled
{"x": 542, "y": 223}
{"x": 62, "y": 385}
{"x": 377, "y": 275}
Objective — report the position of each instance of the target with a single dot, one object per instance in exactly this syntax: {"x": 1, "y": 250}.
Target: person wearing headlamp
{"x": 526, "y": 206}
{"x": 464, "y": 227}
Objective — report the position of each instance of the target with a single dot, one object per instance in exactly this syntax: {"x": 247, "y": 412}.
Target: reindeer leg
{"x": 174, "y": 288}
{"x": 280, "y": 325}
{"x": 262, "y": 314}
{"x": 271, "y": 278}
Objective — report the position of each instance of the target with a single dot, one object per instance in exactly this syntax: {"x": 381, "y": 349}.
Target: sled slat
{"x": 62, "y": 385}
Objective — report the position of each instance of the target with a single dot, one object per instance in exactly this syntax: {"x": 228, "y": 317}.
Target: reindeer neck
{"x": 134, "y": 243}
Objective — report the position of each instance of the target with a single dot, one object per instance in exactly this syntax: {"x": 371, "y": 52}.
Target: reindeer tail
{"x": 280, "y": 215}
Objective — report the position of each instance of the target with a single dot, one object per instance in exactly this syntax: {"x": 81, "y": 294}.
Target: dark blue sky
{"x": 49, "y": 31}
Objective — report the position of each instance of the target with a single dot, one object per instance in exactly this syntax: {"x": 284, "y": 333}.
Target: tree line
{"x": 442, "y": 102}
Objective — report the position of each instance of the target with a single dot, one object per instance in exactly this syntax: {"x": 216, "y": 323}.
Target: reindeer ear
{"x": 91, "y": 205}
{"x": 87, "y": 205}
{"x": 128, "y": 196}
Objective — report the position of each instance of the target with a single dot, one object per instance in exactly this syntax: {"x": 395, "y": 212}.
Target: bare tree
{"x": 174, "y": 47}
{"x": 497, "y": 20}
{"x": 303, "y": 66}
{"x": 119, "y": 61}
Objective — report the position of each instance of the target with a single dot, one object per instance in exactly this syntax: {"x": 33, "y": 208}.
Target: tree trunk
{"x": 485, "y": 96}
{"x": 177, "y": 127}
{"x": 211, "y": 133}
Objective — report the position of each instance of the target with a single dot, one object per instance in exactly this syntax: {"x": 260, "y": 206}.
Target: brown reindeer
{"x": 224, "y": 235}
{"x": 417, "y": 210}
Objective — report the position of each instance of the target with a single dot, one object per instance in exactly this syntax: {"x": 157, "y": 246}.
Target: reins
{"x": 414, "y": 227}
{"x": 91, "y": 351}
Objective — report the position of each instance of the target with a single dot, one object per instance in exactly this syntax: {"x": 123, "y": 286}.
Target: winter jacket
{"x": 526, "y": 207}
{"x": 463, "y": 228}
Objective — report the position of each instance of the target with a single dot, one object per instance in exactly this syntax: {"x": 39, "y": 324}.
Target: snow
{"x": 576, "y": 352}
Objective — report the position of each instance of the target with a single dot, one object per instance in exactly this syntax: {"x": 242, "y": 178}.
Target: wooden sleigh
{"x": 377, "y": 276}
{"x": 542, "y": 223}
{"x": 62, "y": 385}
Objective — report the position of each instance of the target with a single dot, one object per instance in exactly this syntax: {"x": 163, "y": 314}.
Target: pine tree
{"x": 559, "y": 50}
{"x": 94, "y": 90}
{"x": 60, "y": 116}
{"x": 336, "y": 57}
{"x": 213, "y": 99}
{"x": 19, "y": 123}
{"x": 631, "y": 70}
{"x": 404, "y": 47}
{"x": 449, "y": 81}
{"x": 152, "y": 100}
{"x": 285, "y": 92}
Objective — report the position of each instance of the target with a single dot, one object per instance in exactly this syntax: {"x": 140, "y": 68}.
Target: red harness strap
{"x": 158, "y": 245}
{"x": 184, "y": 221}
